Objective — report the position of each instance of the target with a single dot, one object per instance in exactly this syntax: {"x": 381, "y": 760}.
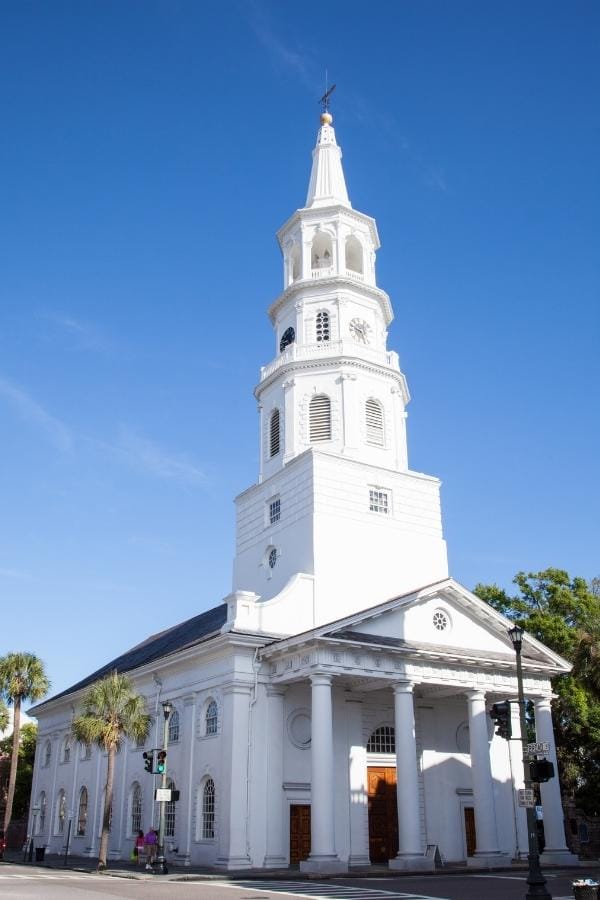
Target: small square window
{"x": 274, "y": 511}
{"x": 379, "y": 501}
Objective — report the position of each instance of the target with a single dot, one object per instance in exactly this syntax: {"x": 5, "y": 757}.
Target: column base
{"x": 552, "y": 857}
{"x": 417, "y": 863}
{"x": 275, "y": 862}
{"x": 323, "y": 865}
{"x": 233, "y": 862}
{"x": 489, "y": 859}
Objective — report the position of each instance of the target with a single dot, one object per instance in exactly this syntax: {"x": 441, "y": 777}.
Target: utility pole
{"x": 161, "y": 864}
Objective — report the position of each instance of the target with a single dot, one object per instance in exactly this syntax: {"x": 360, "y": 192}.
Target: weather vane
{"x": 326, "y": 97}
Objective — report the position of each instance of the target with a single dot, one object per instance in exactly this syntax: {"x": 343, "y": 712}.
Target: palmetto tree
{"x": 22, "y": 677}
{"x": 3, "y": 715}
{"x": 110, "y": 711}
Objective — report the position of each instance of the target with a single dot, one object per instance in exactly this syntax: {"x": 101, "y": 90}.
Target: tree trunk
{"x": 14, "y": 760}
{"x": 108, "y": 796}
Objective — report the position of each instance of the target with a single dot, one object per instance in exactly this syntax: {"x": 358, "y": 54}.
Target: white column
{"x": 357, "y": 784}
{"x": 515, "y": 754}
{"x": 555, "y": 850}
{"x": 189, "y": 743}
{"x": 233, "y": 848}
{"x": 323, "y": 858}
{"x": 411, "y": 854}
{"x": 289, "y": 419}
{"x": 275, "y": 851}
{"x": 487, "y": 851}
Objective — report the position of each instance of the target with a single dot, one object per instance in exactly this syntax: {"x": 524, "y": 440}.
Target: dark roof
{"x": 187, "y": 633}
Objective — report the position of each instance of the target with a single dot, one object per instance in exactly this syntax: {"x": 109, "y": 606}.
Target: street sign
{"x": 163, "y": 795}
{"x": 540, "y": 747}
{"x": 526, "y": 798}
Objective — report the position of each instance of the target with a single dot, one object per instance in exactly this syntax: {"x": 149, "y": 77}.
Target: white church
{"x": 333, "y": 710}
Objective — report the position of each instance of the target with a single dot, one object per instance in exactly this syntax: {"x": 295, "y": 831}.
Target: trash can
{"x": 585, "y": 890}
{"x": 40, "y": 852}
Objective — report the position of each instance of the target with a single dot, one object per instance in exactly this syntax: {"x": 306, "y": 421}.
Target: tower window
{"x": 274, "y": 433}
{"x": 288, "y": 337}
{"x": 354, "y": 254}
{"x": 320, "y": 418}
{"x": 379, "y": 501}
{"x": 374, "y": 413}
{"x": 272, "y": 558}
{"x": 322, "y": 326}
{"x": 274, "y": 511}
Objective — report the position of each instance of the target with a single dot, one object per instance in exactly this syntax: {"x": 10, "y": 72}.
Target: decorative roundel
{"x": 359, "y": 329}
{"x": 288, "y": 337}
{"x": 441, "y": 622}
{"x": 272, "y": 558}
{"x": 299, "y": 728}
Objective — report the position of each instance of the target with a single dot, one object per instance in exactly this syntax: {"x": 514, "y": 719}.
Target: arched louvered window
{"x": 374, "y": 413}
{"x": 274, "y": 431}
{"x": 322, "y": 326}
{"x": 208, "y": 810}
{"x": 320, "y": 418}
{"x": 383, "y": 740}
{"x": 174, "y": 726}
{"x": 82, "y": 812}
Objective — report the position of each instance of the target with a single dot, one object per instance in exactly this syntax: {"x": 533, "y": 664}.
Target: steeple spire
{"x": 327, "y": 183}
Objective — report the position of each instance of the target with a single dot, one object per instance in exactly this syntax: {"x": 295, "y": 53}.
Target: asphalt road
{"x": 31, "y": 883}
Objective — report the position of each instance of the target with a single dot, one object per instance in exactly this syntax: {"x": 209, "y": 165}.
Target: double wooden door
{"x": 299, "y": 832}
{"x": 383, "y": 813}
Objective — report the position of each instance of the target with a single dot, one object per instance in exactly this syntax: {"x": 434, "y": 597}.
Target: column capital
{"x": 275, "y": 690}
{"x": 403, "y": 687}
{"x": 475, "y": 694}
{"x": 542, "y": 702}
{"x": 238, "y": 688}
{"x": 321, "y": 678}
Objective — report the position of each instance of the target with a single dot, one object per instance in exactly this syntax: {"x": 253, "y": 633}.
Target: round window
{"x": 272, "y": 558}
{"x": 441, "y": 622}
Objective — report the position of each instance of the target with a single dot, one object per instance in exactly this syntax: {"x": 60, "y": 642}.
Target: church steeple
{"x": 327, "y": 183}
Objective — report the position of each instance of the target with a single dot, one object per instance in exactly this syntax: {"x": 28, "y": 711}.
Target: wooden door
{"x": 471, "y": 839}
{"x": 383, "y": 813}
{"x": 299, "y": 833}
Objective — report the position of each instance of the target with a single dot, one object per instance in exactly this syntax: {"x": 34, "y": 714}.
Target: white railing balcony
{"x": 358, "y": 276}
{"x": 331, "y": 348}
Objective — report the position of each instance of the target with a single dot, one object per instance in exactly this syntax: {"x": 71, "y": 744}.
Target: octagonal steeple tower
{"x": 333, "y": 473}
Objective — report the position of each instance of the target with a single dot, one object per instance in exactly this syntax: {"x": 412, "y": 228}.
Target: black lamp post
{"x": 161, "y": 863}
{"x": 535, "y": 879}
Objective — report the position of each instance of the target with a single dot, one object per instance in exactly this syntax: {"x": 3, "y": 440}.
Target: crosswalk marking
{"x": 327, "y": 891}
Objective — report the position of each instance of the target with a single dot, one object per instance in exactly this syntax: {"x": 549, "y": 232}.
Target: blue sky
{"x": 150, "y": 151}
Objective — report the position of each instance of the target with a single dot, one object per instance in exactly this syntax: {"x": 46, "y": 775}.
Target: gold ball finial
{"x": 326, "y": 118}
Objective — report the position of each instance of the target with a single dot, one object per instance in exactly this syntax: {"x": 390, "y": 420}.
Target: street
{"x": 31, "y": 883}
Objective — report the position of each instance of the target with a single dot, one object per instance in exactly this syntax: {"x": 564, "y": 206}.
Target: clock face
{"x": 288, "y": 337}
{"x": 359, "y": 329}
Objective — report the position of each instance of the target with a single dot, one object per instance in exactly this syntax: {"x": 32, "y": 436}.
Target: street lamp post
{"x": 535, "y": 879}
{"x": 161, "y": 863}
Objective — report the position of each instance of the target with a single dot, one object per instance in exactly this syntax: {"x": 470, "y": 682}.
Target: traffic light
{"x": 148, "y": 760}
{"x": 500, "y": 713}
{"x": 541, "y": 770}
{"x": 161, "y": 761}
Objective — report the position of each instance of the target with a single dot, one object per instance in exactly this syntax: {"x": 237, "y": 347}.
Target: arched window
{"x": 170, "y": 812}
{"x": 82, "y": 812}
{"x": 41, "y": 823}
{"x": 86, "y": 751}
{"x": 354, "y": 255}
{"x": 320, "y": 418}
{"x": 321, "y": 256}
{"x": 174, "y": 726}
{"x": 274, "y": 433}
{"x": 47, "y": 754}
{"x": 208, "y": 810}
{"x": 374, "y": 414}
{"x": 322, "y": 326}
{"x": 136, "y": 808}
{"x": 383, "y": 740}
{"x": 61, "y": 813}
{"x": 212, "y": 718}
{"x": 66, "y": 753}
{"x": 296, "y": 261}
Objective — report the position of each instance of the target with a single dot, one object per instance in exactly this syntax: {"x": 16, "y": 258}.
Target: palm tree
{"x": 111, "y": 711}
{"x": 3, "y": 715}
{"x": 22, "y": 677}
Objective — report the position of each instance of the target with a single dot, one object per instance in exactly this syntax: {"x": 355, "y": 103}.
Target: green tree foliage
{"x": 564, "y": 614}
{"x": 3, "y": 715}
{"x": 22, "y": 678}
{"x": 111, "y": 711}
{"x": 27, "y": 744}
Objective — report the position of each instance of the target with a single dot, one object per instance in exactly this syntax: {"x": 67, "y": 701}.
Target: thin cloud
{"x": 84, "y": 335}
{"x": 281, "y": 53}
{"x": 147, "y": 456}
{"x": 35, "y": 415}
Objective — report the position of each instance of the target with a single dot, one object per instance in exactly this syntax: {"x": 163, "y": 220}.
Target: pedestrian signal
{"x": 500, "y": 713}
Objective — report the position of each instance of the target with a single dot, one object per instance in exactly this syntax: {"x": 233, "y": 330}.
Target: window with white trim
{"x": 82, "y": 812}
{"x": 86, "y": 751}
{"x": 47, "y": 754}
{"x": 274, "y": 510}
{"x": 136, "y": 808}
{"x": 319, "y": 416}
{"x": 170, "y": 810}
{"x": 383, "y": 740}
{"x": 42, "y": 803}
{"x": 208, "y": 810}
{"x": 66, "y": 754}
{"x": 379, "y": 500}
{"x": 272, "y": 557}
{"x": 322, "y": 326}
{"x": 274, "y": 433}
{"x": 212, "y": 718}
{"x": 174, "y": 727}
{"x": 61, "y": 813}
{"x": 374, "y": 419}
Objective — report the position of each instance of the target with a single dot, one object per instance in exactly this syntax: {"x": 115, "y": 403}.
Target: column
{"x": 515, "y": 755}
{"x": 186, "y": 794}
{"x": 323, "y": 859}
{"x": 411, "y": 853}
{"x": 289, "y": 419}
{"x": 556, "y": 850}
{"x": 233, "y": 804}
{"x": 357, "y": 784}
{"x": 487, "y": 851}
{"x": 275, "y": 851}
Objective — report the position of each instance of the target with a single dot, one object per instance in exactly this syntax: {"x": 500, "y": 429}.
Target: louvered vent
{"x": 274, "y": 433}
{"x": 320, "y": 419}
{"x": 322, "y": 326}
{"x": 374, "y": 423}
